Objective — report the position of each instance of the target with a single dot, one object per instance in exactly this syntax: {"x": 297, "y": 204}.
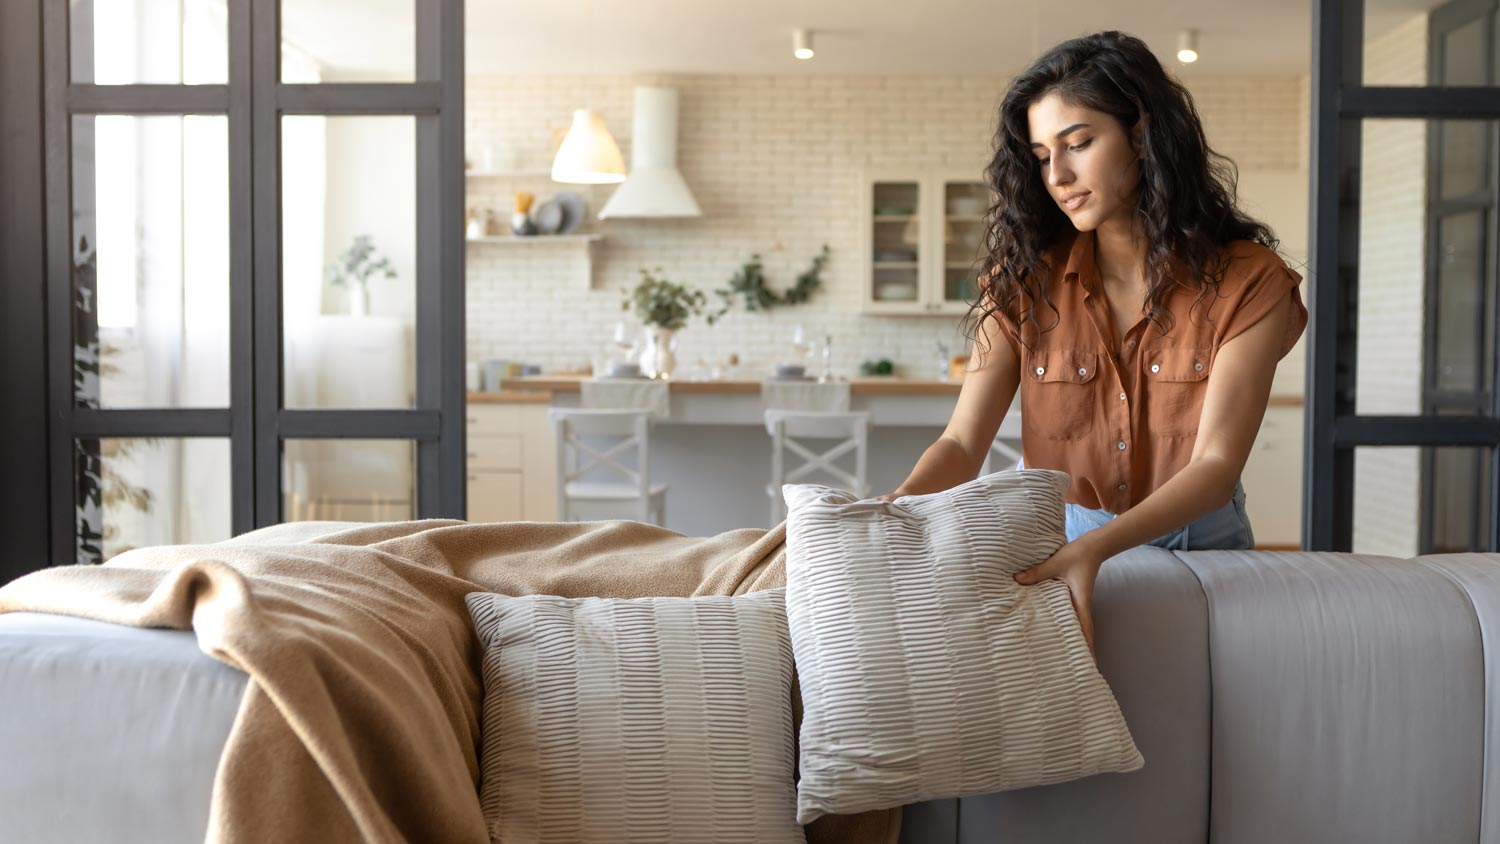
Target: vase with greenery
{"x": 354, "y": 269}
{"x": 664, "y": 307}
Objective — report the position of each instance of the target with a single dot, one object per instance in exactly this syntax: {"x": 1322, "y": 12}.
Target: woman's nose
{"x": 1058, "y": 176}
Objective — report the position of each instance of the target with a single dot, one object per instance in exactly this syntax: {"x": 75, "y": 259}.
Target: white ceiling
{"x": 852, "y": 37}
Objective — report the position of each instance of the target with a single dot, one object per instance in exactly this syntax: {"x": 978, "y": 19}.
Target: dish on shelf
{"x": 572, "y": 207}
{"x": 895, "y": 255}
{"x": 548, "y": 217}
{"x": 896, "y": 291}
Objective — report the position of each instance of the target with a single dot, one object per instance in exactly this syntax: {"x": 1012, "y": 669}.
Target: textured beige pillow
{"x": 636, "y": 720}
{"x": 926, "y": 671}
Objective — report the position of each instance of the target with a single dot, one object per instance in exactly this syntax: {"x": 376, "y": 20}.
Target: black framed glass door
{"x": 1403, "y": 428}
{"x": 255, "y": 266}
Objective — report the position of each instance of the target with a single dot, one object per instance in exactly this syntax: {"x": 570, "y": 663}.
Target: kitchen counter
{"x": 888, "y": 385}
{"x": 511, "y": 397}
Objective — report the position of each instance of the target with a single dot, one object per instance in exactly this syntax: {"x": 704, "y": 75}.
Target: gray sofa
{"x": 1276, "y": 697}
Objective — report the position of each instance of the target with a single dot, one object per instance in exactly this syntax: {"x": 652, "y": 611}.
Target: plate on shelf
{"x": 548, "y": 217}
{"x": 572, "y": 206}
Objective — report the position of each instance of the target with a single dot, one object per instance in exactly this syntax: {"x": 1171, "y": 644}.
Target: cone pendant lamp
{"x": 588, "y": 154}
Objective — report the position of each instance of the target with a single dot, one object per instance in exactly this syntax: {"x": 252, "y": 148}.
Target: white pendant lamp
{"x": 588, "y": 154}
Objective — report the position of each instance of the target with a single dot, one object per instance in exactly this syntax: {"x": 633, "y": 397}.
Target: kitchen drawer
{"x": 495, "y": 496}
{"x": 500, "y": 451}
{"x": 489, "y": 419}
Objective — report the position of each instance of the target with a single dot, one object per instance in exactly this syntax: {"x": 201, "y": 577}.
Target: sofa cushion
{"x": 1349, "y": 699}
{"x": 926, "y": 671}
{"x": 633, "y": 720}
{"x": 1151, "y": 633}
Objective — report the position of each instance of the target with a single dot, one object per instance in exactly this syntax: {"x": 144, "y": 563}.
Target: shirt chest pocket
{"x": 1057, "y": 394}
{"x": 1176, "y": 381}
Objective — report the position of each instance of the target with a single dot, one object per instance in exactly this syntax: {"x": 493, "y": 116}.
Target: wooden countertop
{"x": 525, "y": 388}
{"x": 511, "y": 397}
{"x": 889, "y": 386}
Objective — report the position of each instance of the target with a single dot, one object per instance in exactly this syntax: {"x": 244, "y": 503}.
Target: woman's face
{"x": 1087, "y": 161}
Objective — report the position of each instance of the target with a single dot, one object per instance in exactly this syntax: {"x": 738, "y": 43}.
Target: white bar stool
{"x": 851, "y": 429}
{"x": 575, "y": 497}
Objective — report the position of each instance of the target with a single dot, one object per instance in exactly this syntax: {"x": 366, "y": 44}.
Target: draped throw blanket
{"x": 361, "y": 718}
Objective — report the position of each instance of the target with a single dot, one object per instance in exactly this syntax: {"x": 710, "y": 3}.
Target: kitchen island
{"x": 714, "y": 452}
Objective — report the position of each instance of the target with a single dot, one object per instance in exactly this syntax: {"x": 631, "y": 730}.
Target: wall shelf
{"x": 586, "y": 241}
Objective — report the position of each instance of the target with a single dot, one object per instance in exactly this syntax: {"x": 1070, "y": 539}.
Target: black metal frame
{"x": 23, "y": 341}
{"x": 256, "y": 422}
{"x": 1340, "y": 101}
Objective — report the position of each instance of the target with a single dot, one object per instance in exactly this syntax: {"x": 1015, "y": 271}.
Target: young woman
{"x": 1138, "y": 311}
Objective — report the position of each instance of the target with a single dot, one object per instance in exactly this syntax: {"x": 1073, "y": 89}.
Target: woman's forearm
{"x": 1202, "y": 486}
{"x": 944, "y": 465}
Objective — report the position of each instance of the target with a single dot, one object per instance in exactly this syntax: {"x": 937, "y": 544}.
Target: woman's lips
{"x": 1076, "y": 202}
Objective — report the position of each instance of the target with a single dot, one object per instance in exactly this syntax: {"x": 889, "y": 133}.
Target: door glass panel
{"x": 163, "y": 42}
{"x": 1414, "y": 264}
{"x": 150, "y": 261}
{"x": 349, "y": 480}
{"x": 136, "y": 492}
{"x": 348, "y": 212}
{"x": 1396, "y": 39}
{"x": 348, "y": 40}
{"x": 964, "y": 207}
{"x": 1387, "y": 500}
{"x": 1460, "y": 290}
{"x": 1465, "y": 149}
{"x": 897, "y": 241}
{"x": 1459, "y": 510}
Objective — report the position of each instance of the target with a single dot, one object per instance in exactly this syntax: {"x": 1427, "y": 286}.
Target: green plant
{"x": 358, "y": 263}
{"x": 749, "y": 284}
{"x": 662, "y": 303}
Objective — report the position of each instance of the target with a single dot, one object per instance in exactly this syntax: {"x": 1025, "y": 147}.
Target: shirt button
{"x": 1156, "y": 367}
{"x": 1130, "y": 344}
{"x": 1082, "y": 371}
{"x": 1198, "y": 366}
{"x": 1040, "y": 370}
{"x": 1120, "y": 445}
{"x": 1122, "y": 487}
{"x": 1122, "y": 397}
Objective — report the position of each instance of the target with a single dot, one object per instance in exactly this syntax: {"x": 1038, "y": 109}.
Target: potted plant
{"x": 354, "y": 268}
{"x": 664, "y": 307}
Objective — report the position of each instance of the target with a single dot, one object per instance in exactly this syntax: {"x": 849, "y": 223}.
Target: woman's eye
{"x": 1043, "y": 161}
{"x": 1082, "y": 145}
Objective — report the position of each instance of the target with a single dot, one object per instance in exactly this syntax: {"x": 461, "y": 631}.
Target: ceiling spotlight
{"x": 802, "y": 44}
{"x": 1187, "y": 46}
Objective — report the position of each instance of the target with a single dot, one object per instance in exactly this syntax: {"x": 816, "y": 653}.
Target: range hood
{"x": 653, "y": 187}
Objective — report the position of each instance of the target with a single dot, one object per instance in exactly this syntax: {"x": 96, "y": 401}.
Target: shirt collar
{"x": 1081, "y": 263}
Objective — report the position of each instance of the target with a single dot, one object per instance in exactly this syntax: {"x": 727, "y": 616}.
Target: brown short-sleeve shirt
{"x": 1122, "y": 422}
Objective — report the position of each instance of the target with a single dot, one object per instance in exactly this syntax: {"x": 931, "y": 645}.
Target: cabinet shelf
{"x": 926, "y": 282}
{"x": 497, "y": 174}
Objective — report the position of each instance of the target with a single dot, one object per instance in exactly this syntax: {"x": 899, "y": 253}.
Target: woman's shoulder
{"x": 1249, "y": 263}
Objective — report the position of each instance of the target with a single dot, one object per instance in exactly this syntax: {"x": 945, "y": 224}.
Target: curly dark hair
{"x": 1186, "y": 201}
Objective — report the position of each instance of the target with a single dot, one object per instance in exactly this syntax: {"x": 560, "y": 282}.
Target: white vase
{"x": 658, "y": 360}
{"x": 359, "y": 299}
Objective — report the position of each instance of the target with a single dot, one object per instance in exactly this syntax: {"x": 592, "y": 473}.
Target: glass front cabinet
{"x": 921, "y": 231}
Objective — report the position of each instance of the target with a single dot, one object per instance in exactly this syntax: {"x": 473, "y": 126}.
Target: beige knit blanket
{"x": 360, "y": 722}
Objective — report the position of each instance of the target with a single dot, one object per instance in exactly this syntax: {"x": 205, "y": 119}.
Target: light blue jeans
{"x": 1226, "y": 529}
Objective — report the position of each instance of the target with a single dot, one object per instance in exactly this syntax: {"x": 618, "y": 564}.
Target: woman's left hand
{"x": 1077, "y": 565}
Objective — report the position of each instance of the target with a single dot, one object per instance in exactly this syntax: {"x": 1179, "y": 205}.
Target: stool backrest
{"x": 576, "y": 458}
{"x": 787, "y": 426}
{"x": 626, "y": 394}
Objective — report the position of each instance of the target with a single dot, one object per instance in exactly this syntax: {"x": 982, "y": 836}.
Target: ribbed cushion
{"x": 636, "y": 720}
{"x": 926, "y": 671}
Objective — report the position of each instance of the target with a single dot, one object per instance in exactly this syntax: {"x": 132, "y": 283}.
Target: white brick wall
{"x": 1391, "y": 259}
{"x": 775, "y": 163}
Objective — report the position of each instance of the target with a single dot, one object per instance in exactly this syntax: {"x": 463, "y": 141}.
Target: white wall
{"x": 775, "y": 164}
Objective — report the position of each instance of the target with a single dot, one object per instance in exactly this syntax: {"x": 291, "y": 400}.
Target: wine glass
{"x": 801, "y": 344}
{"x": 625, "y": 344}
